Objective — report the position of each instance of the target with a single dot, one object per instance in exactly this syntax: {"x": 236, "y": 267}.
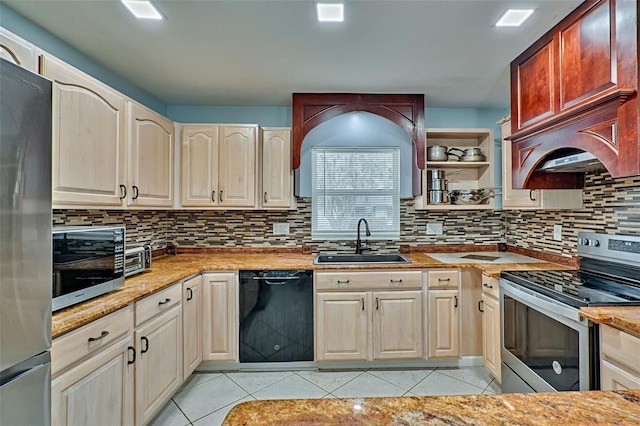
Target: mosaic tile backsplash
{"x": 205, "y": 228}
{"x": 610, "y": 206}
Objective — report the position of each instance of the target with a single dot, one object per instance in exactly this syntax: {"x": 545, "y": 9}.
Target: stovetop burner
{"x": 577, "y": 288}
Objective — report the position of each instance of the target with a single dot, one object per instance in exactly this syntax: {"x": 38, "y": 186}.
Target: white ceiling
{"x": 236, "y": 52}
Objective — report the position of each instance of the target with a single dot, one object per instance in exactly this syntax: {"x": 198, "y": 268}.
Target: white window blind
{"x": 353, "y": 183}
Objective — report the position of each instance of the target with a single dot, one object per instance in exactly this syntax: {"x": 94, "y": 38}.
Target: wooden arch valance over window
{"x": 311, "y": 109}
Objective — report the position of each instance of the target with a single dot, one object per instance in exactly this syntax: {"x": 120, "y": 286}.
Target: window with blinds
{"x": 353, "y": 183}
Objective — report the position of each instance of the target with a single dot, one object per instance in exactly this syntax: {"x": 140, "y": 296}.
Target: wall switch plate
{"x": 281, "y": 228}
{"x": 557, "y": 232}
{"x": 434, "y": 229}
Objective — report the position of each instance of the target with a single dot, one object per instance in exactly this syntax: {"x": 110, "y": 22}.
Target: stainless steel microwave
{"x": 87, "y": 262}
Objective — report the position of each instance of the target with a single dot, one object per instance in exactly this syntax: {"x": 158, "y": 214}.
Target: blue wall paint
{"x": 266, "y": 116}
{"x": 46, "y": 41}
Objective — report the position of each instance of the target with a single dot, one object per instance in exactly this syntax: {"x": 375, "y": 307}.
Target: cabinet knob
{"x": 221, "y": 195}
{"x": 146, "y": 345}
{"x": 189, "y": 294}
{"x": 480, "y": 303}
{"x": 213, "y": 196}
{"x": 531, "y": 197}
{"x": 135, "y": 192}
{"x": 123, "y": 192}
{"x": 456, "y": 301}
{"x": 266, "y": 199}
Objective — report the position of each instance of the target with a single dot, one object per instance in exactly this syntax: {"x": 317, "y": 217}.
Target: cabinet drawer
{"x": 443, "y": 278}
{"x": 491, "y": 286}
{"x": 72, "y": 347}
{"x": 620, "y": 347}
{"x": 157, "y": 303}
{"x": 368, "y": 280}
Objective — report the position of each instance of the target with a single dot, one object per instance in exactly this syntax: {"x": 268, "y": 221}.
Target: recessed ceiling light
{"x": 142, "y": 9}
{"x": 514, "y": 17}
{"x": 330, "y": 12}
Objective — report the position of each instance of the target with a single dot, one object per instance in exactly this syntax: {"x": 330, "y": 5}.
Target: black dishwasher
{"x": 276, "y": 316}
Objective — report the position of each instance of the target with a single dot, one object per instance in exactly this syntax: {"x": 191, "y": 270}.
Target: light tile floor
{"x": 206, "y": 398}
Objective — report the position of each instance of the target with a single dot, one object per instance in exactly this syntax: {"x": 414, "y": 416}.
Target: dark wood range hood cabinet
{"x": 407, "y": 111}
{"x": 576, "y": 87}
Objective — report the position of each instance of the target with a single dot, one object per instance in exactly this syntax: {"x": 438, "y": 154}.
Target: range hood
{"x": 571, "y": 160}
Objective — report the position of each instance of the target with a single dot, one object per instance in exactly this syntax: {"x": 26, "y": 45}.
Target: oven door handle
{"x": 552, "y": 308}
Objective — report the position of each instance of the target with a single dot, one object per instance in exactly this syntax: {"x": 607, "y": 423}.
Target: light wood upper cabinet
{"x": 237, "y": 166}
{"x": 199, "y": 170}
{"x": 221, "y": 322}
{"x": 277, "y": 175}
{"x": 151, "y": 158}
{"x": 18, "y": 51}
{"x": 531, "y": 199}
{"x": 97, "y": 391}
{"x": 218, "y": 167}
{"x": 397, "y": 324}
{"x": 192, "y": 324}
{"x": 88, "y": 139}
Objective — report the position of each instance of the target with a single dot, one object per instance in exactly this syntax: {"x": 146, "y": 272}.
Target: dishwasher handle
{"x": 277, "y": 280}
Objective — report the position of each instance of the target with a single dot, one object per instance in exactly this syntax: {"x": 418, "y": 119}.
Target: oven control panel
{"x": 617, "y": 248}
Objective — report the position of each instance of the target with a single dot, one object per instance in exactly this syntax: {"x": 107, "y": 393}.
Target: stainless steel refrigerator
{"x": 25, "y": 247}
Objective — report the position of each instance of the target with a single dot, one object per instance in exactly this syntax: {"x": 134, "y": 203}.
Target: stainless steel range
{"x": 546, "y": 345}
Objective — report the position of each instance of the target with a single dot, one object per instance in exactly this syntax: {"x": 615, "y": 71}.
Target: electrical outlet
{"x": 557, "y": 232}
{"x": 281, "y": 228}
{"x": 434, "y": 229}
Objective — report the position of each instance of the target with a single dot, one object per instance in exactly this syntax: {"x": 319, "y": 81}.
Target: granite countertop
{"x": 562, "y": 408}
{"x": 168, "y": 270}
{"x": 624, "y": 317}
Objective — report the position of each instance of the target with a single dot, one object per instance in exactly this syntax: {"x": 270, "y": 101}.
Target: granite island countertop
{"x": 168, "y": 270}
{"x": 562, "y": 408}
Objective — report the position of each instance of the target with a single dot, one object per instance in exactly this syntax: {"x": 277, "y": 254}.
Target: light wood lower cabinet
{"x": 341, "y": 326}
{"x": 491, "y": 342}
{"x": 397, "y": 324}
{"x": 619, "y": 360}
{"x": 91, "y": 365}
{"x": 368, "y": 325}
{"x": 443, "y": 307}
{"x": 444, "y": 323}
{"x": 97, "y": 391}
{"x": 192, "y": 324}
{"x": 159, "y": 366}
{"x": 221, "y": 323}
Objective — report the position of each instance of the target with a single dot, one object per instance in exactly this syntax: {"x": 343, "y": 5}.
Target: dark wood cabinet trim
{"x": 612, "y": 98}
{"x": 312, "y": 109}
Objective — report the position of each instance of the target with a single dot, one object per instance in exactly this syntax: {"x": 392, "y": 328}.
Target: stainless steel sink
{"x": 344, "y": 259}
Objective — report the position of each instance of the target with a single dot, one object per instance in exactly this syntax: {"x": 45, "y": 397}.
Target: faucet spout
{"x": 359, "y": 248}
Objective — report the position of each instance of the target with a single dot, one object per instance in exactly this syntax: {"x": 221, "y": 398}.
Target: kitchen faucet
{"x": 359, "y": 248}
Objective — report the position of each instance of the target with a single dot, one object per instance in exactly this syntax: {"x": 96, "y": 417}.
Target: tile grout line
{"x": 328, "y": 391}
{"x": 258, "y": 390}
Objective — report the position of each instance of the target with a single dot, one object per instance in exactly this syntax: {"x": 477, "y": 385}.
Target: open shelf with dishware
{"x": 459, "y": 170}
